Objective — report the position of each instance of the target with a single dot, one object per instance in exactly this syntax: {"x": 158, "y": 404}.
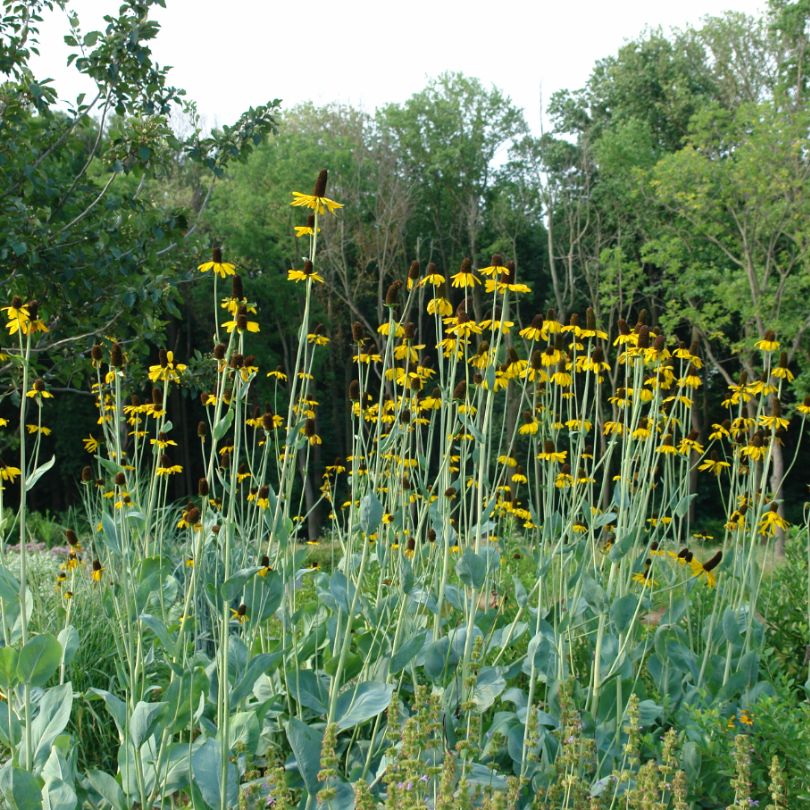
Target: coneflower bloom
{"x": 772, "y": 521}
{"x": 465, "y": 276}
{"x": 306, "y": 273}
{"x": 222, "y": 269}
{"x": 768, "y": 343}
{"x": 38, "y": 391}
{"x": 715, "y": 465}
{"x": 166, "y": 370}
{"x": 317, "y": 201}
{"x": 550, "y": 453}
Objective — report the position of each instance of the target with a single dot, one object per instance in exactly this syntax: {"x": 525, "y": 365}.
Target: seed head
{"x": 320, "y": 184}
{"x": 392, "y": 293}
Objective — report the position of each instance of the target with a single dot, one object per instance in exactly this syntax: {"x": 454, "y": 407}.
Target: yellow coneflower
{"x": 308, "y": 229}
{"x": 73, "y": 540}
{"x": 461, "y": 324}
{"x": 720, "y": 431}
{"x": 768, "y": 343}
{"x": 534, "y": 331}
{"x": 551, "y": 454}
{"x": 772, "y": 521}
{"x": 496, "y": 267}
{"x": 222, "y": 269}
{"x": 33, "y": 428}
{"x": 240, "y": 614}
{"x": 432, "y": 277}
{"x": 167, "y": 468}
{"x": 774, "y": 420}
{"x": 166, "y": 370}
{"x": 755, "y": 450}
{"x": 690, "y": 444}
{"x": 561, "y": 376}
{"x": 497, "y": 324}
{"x": 264, "y": 567}
{"x": 97, "y": 571}
{"x": 714, "y": 465}
{"x": 666, "y": 447}
{"x": 579, "y": 425}
{"x": 306, "y": 273}
{"x": 367, "y": 357}
{"x": 439, "y": 306}
{"x": 593, "y": 362}
{"x": 317, "y": 201}
{"x": 38, "y": 391}
{"x": 277, "y": 374}
{"x": 644, "y": 578}
{"x": 16, "y": 315}
{"x": 72, "y": 562}
{"x": 241, "y": 323}
{"x": 782, "y": 372}
{"x": 643, "y": 431}
{"x": 317, "y": 337}
{"x": 465, "y": 276}
{"x": 91, "y": 444}
{"x": 705, "y": 569}
{"x": 611, "y": 428}
{"x": 625, "y": 336}
{"x": 162, "y": 441}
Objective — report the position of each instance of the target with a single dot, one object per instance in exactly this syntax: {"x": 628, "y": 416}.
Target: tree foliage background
{"x": 673, "y": 181}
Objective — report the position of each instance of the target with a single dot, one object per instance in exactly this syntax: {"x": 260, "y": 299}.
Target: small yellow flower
{"x": 222, "y": 269}
{"x": 9, "y": 473}
{"x": 38, "y": 391}
{"x": 714, "y": 465}
{"x": 166, "y": 370}
{"x": 170, "y": 469}
{"x": 769, "y": 343}
{"x": 465, "y": 279}
{"x": 772, "y": 521}
{"x": 241, "y": 325}
{"x": 45, "y": 431}
{"x": 320, "y": 205}
{"x": 306, "y": 273}
{"x": 91, "y": 444}
{"x": 433, "y": 278}
{"x": 439, "y": 306}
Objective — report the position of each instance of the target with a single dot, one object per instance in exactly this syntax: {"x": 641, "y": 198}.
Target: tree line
{"x": 674, "y": 182}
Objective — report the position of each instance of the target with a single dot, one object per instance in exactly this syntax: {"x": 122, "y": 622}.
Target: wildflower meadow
{"x": 499, "y": 612}
{"x": 468, "y": 474}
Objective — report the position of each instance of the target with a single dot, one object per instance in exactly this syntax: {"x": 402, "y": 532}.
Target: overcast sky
{"x": 240, "y": 53}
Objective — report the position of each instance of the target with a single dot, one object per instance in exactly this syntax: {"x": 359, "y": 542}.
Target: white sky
{"x": 232, "y": 54}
